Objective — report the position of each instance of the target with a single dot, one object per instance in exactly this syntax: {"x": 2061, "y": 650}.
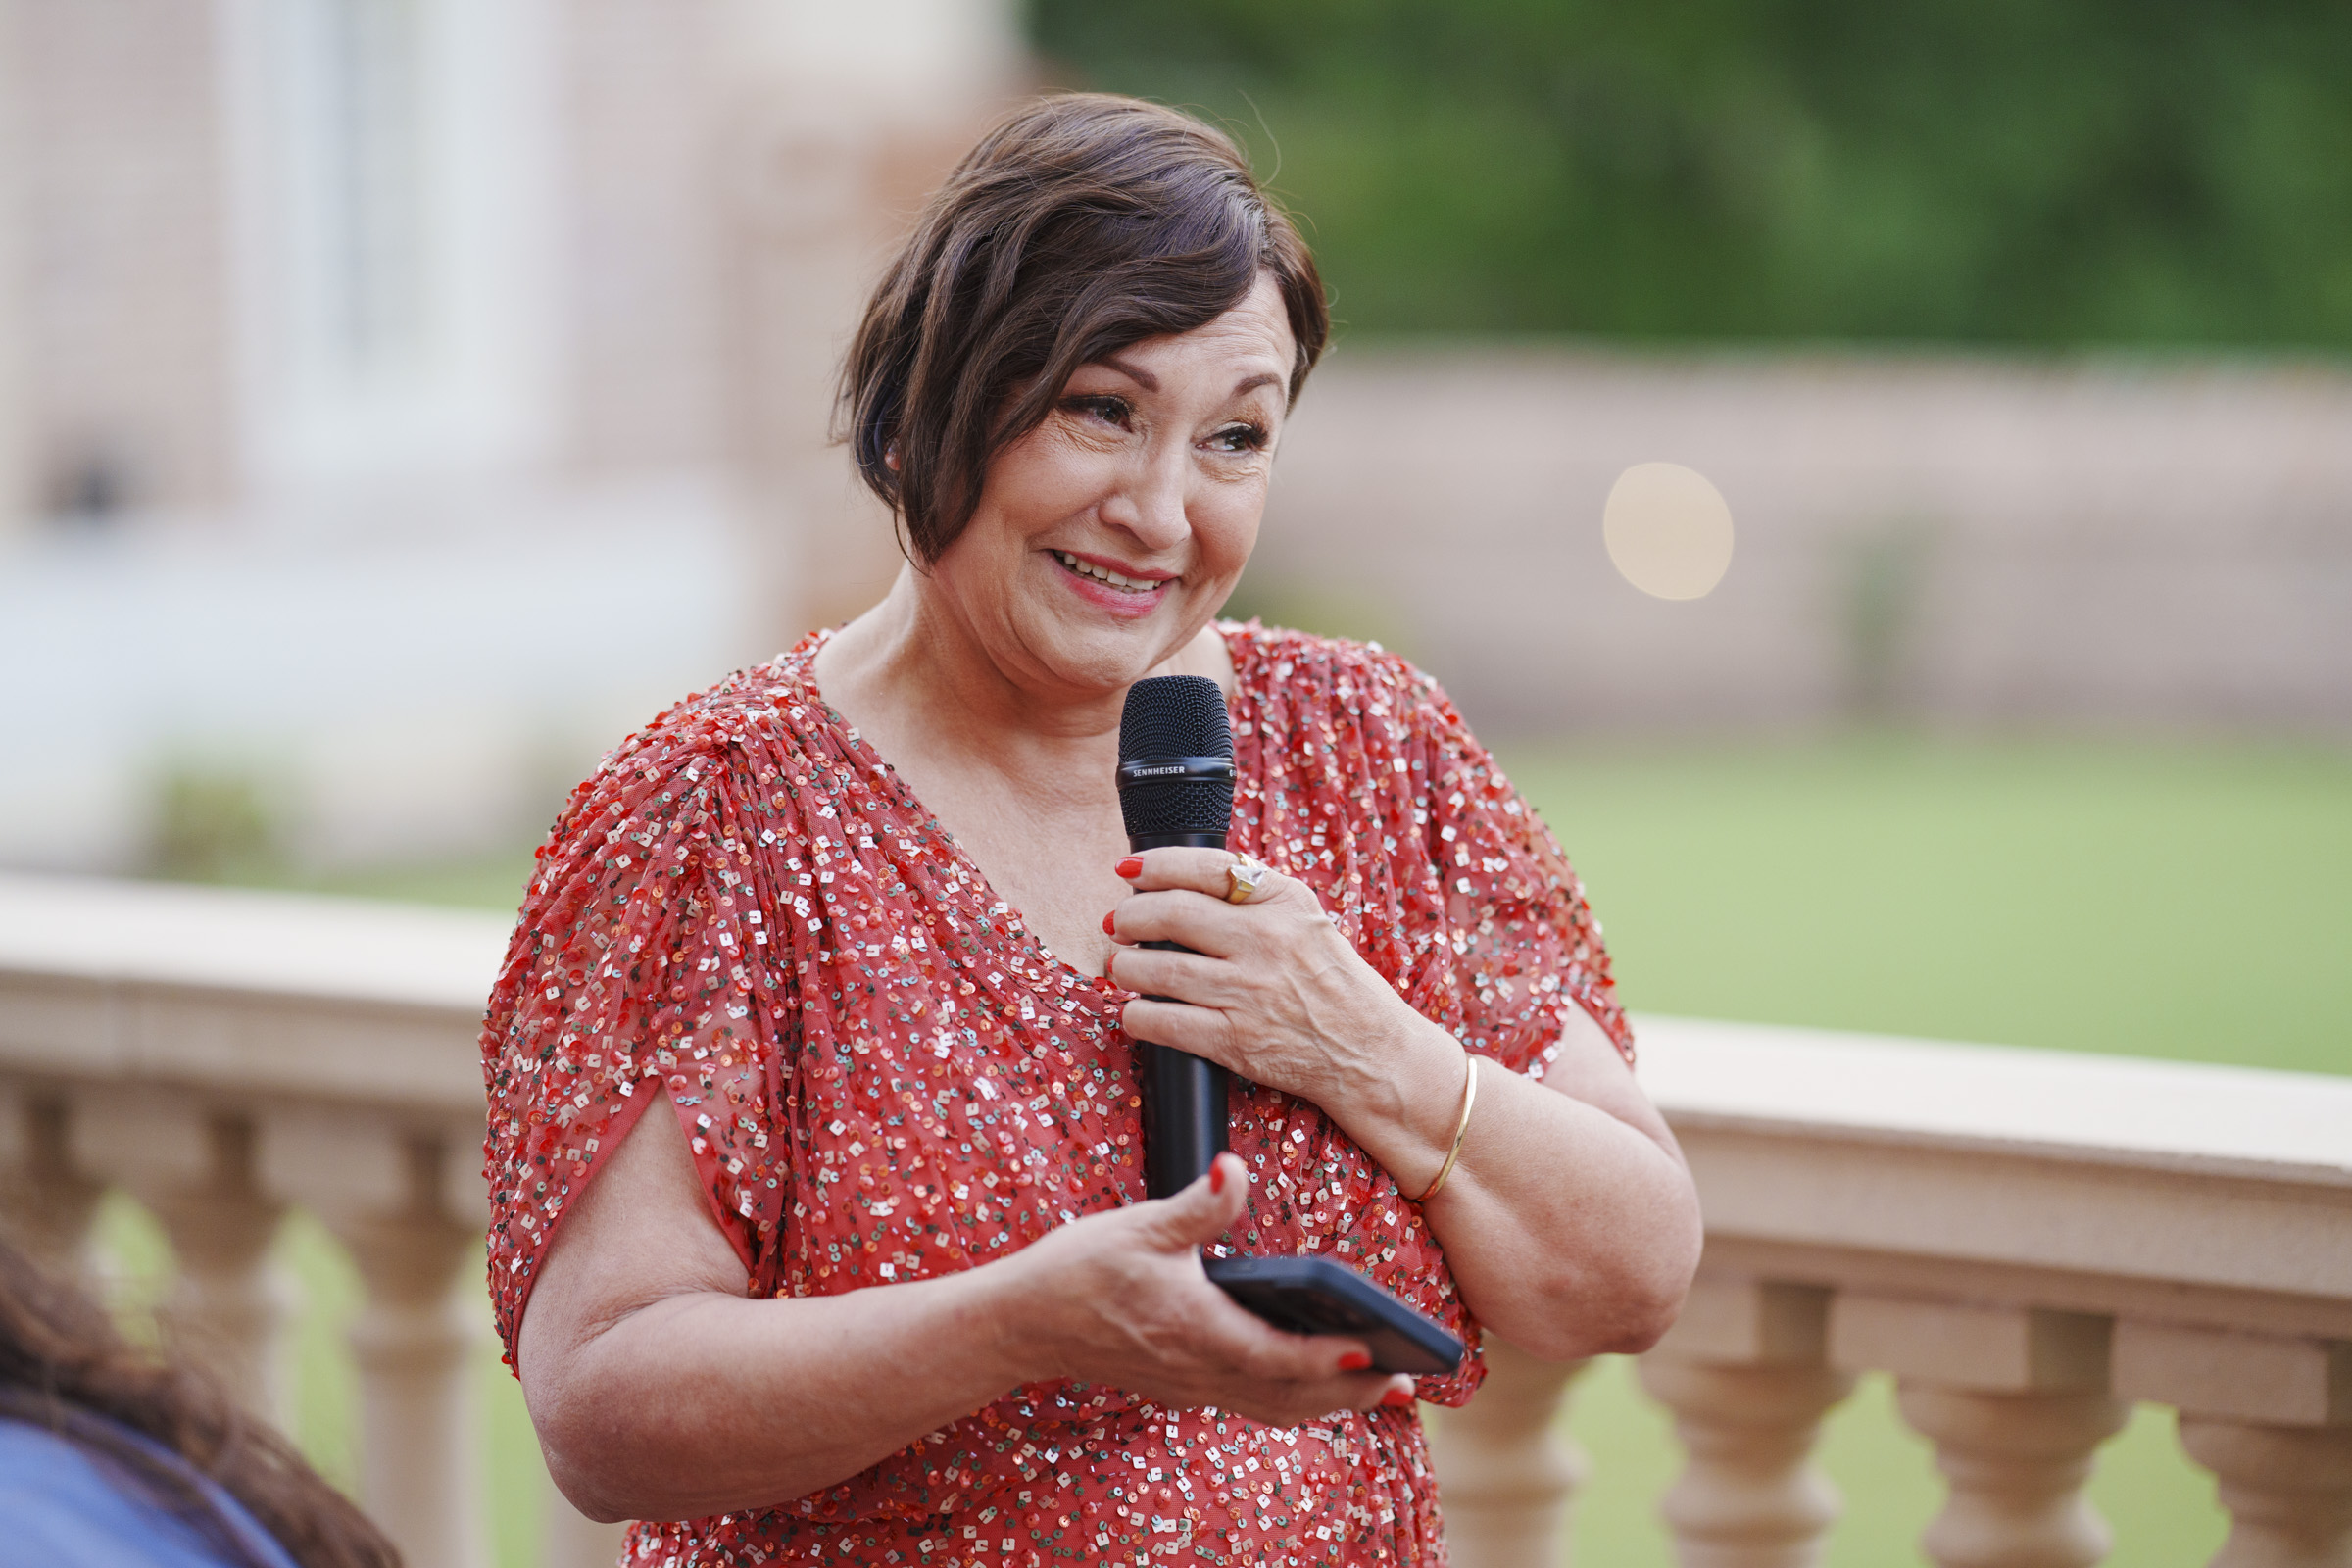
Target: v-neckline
{"x": 803, "y": 655}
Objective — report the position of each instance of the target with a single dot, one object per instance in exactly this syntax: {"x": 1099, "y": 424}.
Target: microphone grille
{"x": 1169, "y": 717}
{"x": 1174, "y": 716}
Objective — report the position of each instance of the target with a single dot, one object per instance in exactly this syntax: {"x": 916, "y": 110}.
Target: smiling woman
{"x": 879, "y": 1283}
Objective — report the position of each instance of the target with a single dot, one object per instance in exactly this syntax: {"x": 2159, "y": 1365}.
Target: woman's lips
{"x": 1121, "y": 592}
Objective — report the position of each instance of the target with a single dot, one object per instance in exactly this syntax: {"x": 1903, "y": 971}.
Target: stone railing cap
{"x": 240, "y": 940}
{"x": 2190, "y": 1117}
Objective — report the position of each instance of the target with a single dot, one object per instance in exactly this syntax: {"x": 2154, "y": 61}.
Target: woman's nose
{"x": 1149, "y": 503}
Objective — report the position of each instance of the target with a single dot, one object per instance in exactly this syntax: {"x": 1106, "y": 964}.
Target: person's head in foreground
{"x": 821, "y": 1231}
{"x": 112, "y": 1457}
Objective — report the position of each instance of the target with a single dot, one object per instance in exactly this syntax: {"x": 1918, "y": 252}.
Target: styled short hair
{"x": 1081, "y": 224}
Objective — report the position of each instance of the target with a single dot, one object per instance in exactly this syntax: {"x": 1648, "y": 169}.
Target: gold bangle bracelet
{"x": 1469, "y": 1099}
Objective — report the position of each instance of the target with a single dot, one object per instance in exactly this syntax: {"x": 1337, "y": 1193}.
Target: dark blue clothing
{"x": 62, "y": 1508}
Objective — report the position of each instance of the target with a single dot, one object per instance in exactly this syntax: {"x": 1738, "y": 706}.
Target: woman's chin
{"x": 1096, "y": 655}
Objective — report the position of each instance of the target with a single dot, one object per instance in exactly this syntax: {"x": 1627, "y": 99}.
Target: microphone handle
{"x": 1185, "y": 1114}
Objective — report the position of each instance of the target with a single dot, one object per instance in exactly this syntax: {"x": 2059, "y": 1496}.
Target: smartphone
{"x": 1316, "y": 1296}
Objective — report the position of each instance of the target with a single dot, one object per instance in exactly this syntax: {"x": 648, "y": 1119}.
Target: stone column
{"x": 2015, "y": 1464}
{"x": 227, "y": 1306}
{"x": 2270, "y": 1416}
{"x": 569, "y": 1539}
{"x": 834, "y": 134}
{"x": 15, "y": 406}
{"x": 2016, "y": 1403}
{"x": 1506, "y": 1473}
{"x": 1744, "y": 1375}
{"x": 47, "y": 1199}
{"x": 2288, "y": 1491}
{"x": 420, "y": 1453}
{"x": 406, "y": 1202}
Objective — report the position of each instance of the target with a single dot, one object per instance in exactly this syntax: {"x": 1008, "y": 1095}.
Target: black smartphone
{"x": 1316, "y": 1296}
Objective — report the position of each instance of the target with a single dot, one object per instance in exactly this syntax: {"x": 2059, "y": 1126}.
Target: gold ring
{"x": 1243, "y": 877}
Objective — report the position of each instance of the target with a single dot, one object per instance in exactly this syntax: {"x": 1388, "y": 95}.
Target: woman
{"x": 113, "y": 1459}
{"x": 876, "y": 1282}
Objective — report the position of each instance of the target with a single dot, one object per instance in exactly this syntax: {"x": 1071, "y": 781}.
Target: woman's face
{"x": 1106, "y": 538}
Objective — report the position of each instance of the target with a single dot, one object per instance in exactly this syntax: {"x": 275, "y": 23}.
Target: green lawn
{"x": 2192, "y": 903}
{"x": 2181, "y": 902}
{"x": 2186, "y": 902}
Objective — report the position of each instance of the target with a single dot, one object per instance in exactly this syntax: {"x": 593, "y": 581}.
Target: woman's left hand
{"x": 1272, "y": 988}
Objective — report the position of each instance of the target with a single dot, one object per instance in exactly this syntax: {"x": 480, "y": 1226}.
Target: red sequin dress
{"x": 884, "y": 1075}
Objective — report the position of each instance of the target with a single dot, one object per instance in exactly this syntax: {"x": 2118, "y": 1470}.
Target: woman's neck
{"x": 1021, "y": 772}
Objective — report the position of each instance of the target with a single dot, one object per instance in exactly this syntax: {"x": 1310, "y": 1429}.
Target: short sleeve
{"x": 1524, "y": 946}
{"x": 635, "y": 975}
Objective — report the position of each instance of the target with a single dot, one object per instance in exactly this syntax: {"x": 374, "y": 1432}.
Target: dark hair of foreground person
{"x": 65, "y": 1368}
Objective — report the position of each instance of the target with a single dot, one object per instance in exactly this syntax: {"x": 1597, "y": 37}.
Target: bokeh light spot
{"x": 1668, "y": 531}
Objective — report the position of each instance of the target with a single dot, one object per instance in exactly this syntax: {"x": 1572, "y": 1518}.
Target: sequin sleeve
{"x": 636, "y": 975}
{"x": 1525, "y": 947}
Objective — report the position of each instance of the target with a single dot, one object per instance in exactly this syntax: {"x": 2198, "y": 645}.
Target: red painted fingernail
{"x": 1132, "y": 867}
{"x": 1354, "y": 1361}
{"x": 1216, "y": 1176}
{"x": 1108, "y": 929}
{"x": 1396, "y": 1398}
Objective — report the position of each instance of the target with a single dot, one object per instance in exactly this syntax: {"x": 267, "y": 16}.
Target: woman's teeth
{"x": 1133, "y": 585}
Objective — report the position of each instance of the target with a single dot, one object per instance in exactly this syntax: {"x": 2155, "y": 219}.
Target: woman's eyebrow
{"x": 1151, "y": 383}
{"x": 1136, "y": 373}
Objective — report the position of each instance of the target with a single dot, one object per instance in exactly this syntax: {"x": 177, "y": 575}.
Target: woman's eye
{"x": 1239, "y": 438}
{"x": 1110, "y": 410}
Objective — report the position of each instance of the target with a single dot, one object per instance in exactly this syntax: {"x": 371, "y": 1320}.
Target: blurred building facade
{"x": 2102, "y": 545}
{"x": 399, "y": 399}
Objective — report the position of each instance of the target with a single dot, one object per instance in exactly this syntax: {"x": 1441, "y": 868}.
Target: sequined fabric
{"x": 883, "y": 1075}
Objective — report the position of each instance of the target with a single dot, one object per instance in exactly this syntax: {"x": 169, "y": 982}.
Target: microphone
{"x": 1176, "y": 789}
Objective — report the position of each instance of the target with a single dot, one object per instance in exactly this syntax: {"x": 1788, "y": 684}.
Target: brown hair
{"x": 65, "y": 1367}
{"x": 1084, "y": 222}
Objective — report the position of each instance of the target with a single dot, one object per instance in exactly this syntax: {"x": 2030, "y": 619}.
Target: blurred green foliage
{"x": 2143, "y": 172}
{"x": 214, "y": 823}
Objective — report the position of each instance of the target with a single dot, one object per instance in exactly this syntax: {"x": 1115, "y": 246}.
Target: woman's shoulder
{"x": 771, "y": 706}
{"x": 769, "y": 714}
{"x": 738, "y": 746}
{"x": 1300, "y": 667}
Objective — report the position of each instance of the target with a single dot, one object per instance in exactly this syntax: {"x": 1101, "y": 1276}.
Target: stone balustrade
{"x": 2028, "y": 1242}
{"x": 225, "y": 1055}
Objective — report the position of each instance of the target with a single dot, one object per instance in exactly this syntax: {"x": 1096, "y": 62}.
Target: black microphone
{"x": 1176, "y": 789}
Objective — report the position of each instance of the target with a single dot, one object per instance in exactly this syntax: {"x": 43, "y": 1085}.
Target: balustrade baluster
{"x": 2016, "y": 1404}
{"x": 227, "y": 1306}
{"x": 2271, "y": 1417}
{"x": 569, "y": 1539}
{"x": 2015, "y": 1464}
{"x": 1507, "y": 1475}
{"x": 392, "y": 1199}
{"x": 197, "y": 1171}
{"x": 46, "y": 1199}
{"x": 1743, "y": 1373}
{"x": 2288, "y": 1491}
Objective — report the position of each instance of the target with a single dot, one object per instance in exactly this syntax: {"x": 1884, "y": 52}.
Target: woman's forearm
{"x": 661, "y": 1390}
{"x": 1570, "y": 1232}
{"x": 1569, "y": 1223}
{"x": 702, "y": 1403}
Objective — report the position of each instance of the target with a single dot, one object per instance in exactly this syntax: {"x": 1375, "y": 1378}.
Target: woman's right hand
{"x": 1120, "y": 1298}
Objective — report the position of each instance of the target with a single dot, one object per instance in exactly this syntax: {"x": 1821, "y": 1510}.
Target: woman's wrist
{"x": 1403, "y": 1093}
{"x": 1012, "y": 1316}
